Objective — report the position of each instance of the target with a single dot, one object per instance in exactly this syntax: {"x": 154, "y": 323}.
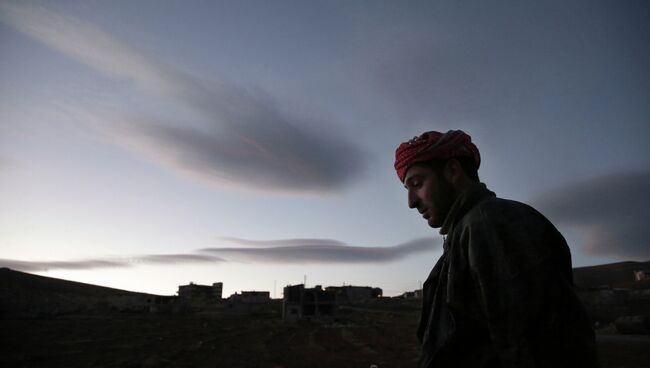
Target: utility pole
{"x": 304, "y": 281}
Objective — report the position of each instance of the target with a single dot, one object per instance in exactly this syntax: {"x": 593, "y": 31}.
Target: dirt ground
{"x": 359, "y": 337}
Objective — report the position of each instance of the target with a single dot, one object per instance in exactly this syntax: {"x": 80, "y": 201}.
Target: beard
{"x": 444, "y": 198}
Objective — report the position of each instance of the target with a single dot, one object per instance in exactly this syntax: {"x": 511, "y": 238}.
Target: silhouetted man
{"x": 501, "y": 294}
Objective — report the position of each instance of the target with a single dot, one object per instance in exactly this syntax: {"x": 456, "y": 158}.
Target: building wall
{"x": 642, "y": 275}
{"x": 205, "y": 292}
{"x": 354, "y": 293}
{"x": 300, "y": 302}
{"x": 251, "y": 297}
{"x": 217, "y": 290}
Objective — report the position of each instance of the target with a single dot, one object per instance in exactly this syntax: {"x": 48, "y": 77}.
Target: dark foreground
{"x": 379, "y": 333}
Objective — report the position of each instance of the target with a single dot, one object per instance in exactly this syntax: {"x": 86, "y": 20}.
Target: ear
{"x": 453, "y": 171}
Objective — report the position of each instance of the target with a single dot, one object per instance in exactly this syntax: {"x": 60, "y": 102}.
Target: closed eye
{"x": 413, "y": 183}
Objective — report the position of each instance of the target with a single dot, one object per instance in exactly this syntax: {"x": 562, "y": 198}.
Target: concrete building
{"x": 415, "y": 294}
{"x": 248, "y": 302}
{"x": 217, "y": 290}
{"x": 642, "y": 275}
{"x": 299, "y": 303}
{"x": 346, "y": 294}
{"x": 194, "y": 291}
{"x": 251, "y": 297}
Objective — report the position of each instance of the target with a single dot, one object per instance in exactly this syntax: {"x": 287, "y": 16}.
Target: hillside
{"x": 21, "y": 283}
{"x": 76, "y": 333}
{"x": 33, "y": 295}
{"x": 619, "y": 275}
{"x": 11, "y": 279}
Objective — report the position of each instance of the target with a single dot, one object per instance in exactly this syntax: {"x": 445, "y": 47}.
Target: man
{"x": 501, "y": 294}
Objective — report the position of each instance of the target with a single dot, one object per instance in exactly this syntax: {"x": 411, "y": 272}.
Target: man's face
{"x": 429, "y": 193}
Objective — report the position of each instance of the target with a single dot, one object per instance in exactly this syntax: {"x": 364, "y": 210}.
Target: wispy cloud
{"x": 244, "y": 137}
{"x": 259, "y": 154}
{"x": 86, "y": 43}
{"x": 297, "y": 251}
{"x": 613, "y": 211}
{"x": 303, "y": 242}
{"x": 175, "y": 258}
{"x": 87, "y": 264}
{"x": 320, "y": 251}
{"x": 31, "y": 266}
{"x": 449, "y": 63}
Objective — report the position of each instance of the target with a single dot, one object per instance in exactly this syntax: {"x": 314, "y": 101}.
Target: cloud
{"x": 304, "y": 242}
{"x": 450, "y": 63}
{"x": 88, "y": 264}
{"x": 176, "y": 258}
{"x": 297, "y": 251}
{"x": 613, "y": 211}
{"x": 29, "y": 266}
{"x": 258, "y": 156}
{"x": 87, "y": 44}
{"x": 320, "y": 251}
{"x": 240, "y": 137}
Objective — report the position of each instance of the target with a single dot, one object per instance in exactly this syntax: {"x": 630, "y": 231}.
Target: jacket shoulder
{"x": 496, "y": 210}
{"x": 515, "y": 233}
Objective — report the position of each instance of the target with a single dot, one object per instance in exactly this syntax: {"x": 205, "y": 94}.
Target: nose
{"x": 413, "y": 200}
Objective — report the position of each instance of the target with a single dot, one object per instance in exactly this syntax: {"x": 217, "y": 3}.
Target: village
{"x": 68, "y": 323}
{"x": 616, "y": 295}
{"x": 623, "y": 304}
{"x": 298, "y": 302}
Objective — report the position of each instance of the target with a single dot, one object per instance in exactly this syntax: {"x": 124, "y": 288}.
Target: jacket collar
{"x": 463, "y": 203}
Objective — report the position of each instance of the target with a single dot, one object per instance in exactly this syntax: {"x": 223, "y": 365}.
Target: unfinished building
{"x": 415, "y": 294}
{"x": 201, "y": 292}
{"x": 302, "y": 303}
{"x": 251, "y": 297}
{"x": 349, "y": 293}
{"x": 248, "y": 301}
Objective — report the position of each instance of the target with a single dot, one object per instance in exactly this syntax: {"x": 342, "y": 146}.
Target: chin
{"x": 434, "y": 224}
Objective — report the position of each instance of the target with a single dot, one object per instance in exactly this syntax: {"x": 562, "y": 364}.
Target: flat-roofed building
{"x": 300, "y": 302}
{"x": 251, "y": 297}
{"x": 194, "y": 291}
{"x": 350, "y": 293}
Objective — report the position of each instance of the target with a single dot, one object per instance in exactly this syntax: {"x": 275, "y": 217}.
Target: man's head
{"x": 435, "y": 168}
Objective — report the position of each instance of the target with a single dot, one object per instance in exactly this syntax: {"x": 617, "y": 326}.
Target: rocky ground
{"x": 379, "y": 334}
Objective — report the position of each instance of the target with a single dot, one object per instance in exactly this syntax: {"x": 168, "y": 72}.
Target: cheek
{"x": 432, "y": 199}
{"x": 438, "y": 203}
{"x": 443, "y": 200}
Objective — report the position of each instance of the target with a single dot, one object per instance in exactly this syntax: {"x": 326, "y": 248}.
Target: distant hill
{"x": 28, "y": 294}
{"x": 617, "y": 275}
{"x": 11, "y": 279}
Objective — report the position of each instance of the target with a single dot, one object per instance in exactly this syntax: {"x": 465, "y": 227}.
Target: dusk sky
{"x": 147, "y": 144}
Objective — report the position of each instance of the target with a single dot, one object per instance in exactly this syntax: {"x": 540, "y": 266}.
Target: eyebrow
{"x": 411, "y": 178}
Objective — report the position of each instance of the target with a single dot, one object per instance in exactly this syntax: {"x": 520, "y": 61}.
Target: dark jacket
{"x": 501, "y": 295}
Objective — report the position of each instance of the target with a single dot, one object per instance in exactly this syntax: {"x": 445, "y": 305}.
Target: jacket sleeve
{"x": 515, "y": 278}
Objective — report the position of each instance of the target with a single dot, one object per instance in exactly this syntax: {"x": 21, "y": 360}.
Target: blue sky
{"x": 144, "y": 144}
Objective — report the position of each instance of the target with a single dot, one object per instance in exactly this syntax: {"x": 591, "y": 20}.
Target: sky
{"x": 148, "y": 144}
